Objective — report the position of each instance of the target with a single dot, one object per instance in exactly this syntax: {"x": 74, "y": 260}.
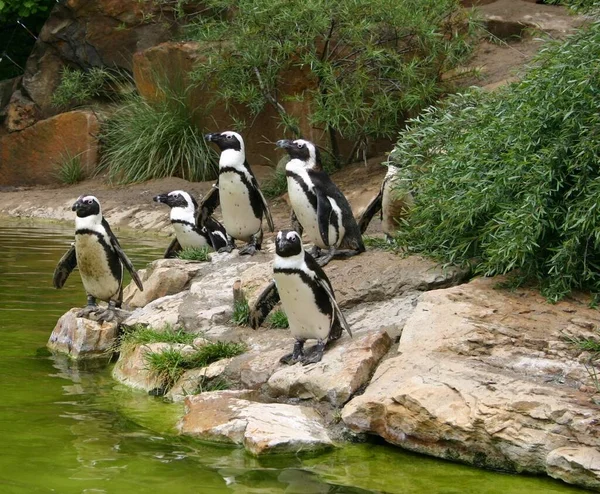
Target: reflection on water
{"x": 71, "y": 429}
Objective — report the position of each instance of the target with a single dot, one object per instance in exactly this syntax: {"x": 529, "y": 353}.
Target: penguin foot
{"x": 296, "y": 355}
{"x": 227, "y": 248}
{"x": 106, "y": 315}
{"x": 315, "y": 355}
{"x": 248, "y": 250}
{"x": 315, "y": 251}
{"x": 87, "y": 310}
{"x": 389, "y": 239}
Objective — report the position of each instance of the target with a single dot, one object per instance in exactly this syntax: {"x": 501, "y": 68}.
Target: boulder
{"x": 261, "y": 428}
{"x": 486, "y": 377}
{"x": 579, "y": 465}
{"x": 21, "y": 112}
{"x": 345, "y": 368}
{"x": 192, "y": 380}
{"x": 158, "y": 313}
{"x": 93, "y": 33}
{"x": 82, "y": 338}
{"x": 34, "y": 155}
{"x": 162, "y": 277}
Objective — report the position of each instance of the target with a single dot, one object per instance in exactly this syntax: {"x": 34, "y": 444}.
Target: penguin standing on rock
{"x": 100, "y": 259}
{"x": 318, "y": 205}
{"x": 188, "y": 233}
{"x": 392, "y": 204}
{"x": 307, "y": 298}
{"x": 242, "y": 203}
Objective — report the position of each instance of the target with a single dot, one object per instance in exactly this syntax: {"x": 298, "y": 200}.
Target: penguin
{"x": 307, "y": 298}
{"x": 391, "y": 203}
{"x": 188, "y": 233}
{"x": 319, "y": 208}
{"x": 97, "y": 253}
{"x": 242, "y": 203}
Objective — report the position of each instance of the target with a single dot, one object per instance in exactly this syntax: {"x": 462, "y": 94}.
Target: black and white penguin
{"x": 100, "y": 259}
{"x": 188, "y": 233}
{"x": 242, "y": 203}
{"x": 318, "y": 205}
{"x": 392, "y": 202}
{"x": 307, "y": 298}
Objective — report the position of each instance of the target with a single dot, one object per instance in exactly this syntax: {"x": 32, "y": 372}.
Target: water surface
{"x": 70, "y": 430}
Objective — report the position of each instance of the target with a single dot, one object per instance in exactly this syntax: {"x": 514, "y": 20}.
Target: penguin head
{"x": 227, "y": 140}
{"x": 86, "y": 206}
{"x": 288, "y": 243}
{"x": 302, "y": 150}
{"x": 177, "y": 199}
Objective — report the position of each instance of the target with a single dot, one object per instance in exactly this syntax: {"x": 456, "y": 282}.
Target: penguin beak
{"x": 211, "y": 137}
{"x": 77, "y": 205}
{"x": 161, "y": 198}
{"x": 284, "y": 143}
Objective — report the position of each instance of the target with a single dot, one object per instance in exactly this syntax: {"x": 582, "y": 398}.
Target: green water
{"x": 70, "y": 430}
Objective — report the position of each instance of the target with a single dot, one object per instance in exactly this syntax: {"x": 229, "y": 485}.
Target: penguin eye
{"x": 229, "y": 137}
{"x": 300, "y": 145}
{"x": 89, "y": 201}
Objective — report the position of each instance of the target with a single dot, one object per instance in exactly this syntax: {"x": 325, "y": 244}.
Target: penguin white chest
{"x": 187, "y": 237}
{"x": 238, "y": 215}
{"x": 299, "y": 303}
{"x": 92, "y": 261}
{"x": 308, "y": 218}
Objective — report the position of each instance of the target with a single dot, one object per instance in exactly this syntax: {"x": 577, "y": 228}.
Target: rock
{"x": 484, "y": 377}
{"x": 93, "y": 33}
{"x": 162, "y": 277}
{"x": 158, "y": 313}
{"x": 345, "y": 368}
{"x": 260, "y": 427}
{"x": 7, "y": 88}
{"x": 131, "y": 368}
{"x": 575, "y": 466}
{"x": 34, "y": 155}
{"x": 21, "y": 112}
{"x": 192, "y": 380}
{"x": 82, "y": 338}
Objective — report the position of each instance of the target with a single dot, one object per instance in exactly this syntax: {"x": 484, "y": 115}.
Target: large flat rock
{"x": 488, "y": 377}
{"x": 225, "y": 416}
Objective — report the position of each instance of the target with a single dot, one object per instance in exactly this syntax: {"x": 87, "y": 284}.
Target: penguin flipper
{"x": 65, "y": 266}
{"x": 324, "y": 211}
{"x": 172, "y": 250}
{"x": 264, "y": 305}
{"x": 122, "y": 256}
{"x": 296, "y": 224}
{"x": 267, "y": 212}
{"x": 210, "y": 202}
{"x": 337, "y": 312}
{"x": 371, "y": 210}
{"x": 217, "y": 235}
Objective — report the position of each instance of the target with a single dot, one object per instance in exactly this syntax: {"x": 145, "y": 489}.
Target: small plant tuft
{"x": 275, "y": 185}
{"x": 241, "y": 313}
{"x": 195, "y": 254}
{"x": 169, "y": 364}
{"x": 278, "y": 319}
{"x": 140, "y": 334}
{"x": 206, "y": 385}
{"x": 70, "y": 170}
{"x": 78, "y": 87}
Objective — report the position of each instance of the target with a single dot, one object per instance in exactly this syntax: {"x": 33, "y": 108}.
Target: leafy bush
{"x": 370, "y": 61}
{"x": 70, "y": 169}
{"x": 195, "y": 254}
{"x": 241, "y": 313}
{"x": 155, "y": 139}
{"x": 170, "y": 364}
{"x": 510, "y": 179}
{"x": 78, "y": 87}
{"x": 279, "y": 319}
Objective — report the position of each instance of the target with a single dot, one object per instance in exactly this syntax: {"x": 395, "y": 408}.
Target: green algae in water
{"x": 72, "y": 429}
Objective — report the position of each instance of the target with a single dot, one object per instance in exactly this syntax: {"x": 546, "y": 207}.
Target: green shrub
{"x": 195, "y": 254}
{"x": 278, "y": 319}
{"x": 241, "y": 313}
{"x": 144, "y": 140}
{"x": 78, "y": 87}
{"x": 70, "y": 169}
{"x": 371, "y": 61}
{"x": 169, "y": 364}
{"x": 275, "y": 185}
{"x": 510, "y": 179}
{"x": 142, "y": 335}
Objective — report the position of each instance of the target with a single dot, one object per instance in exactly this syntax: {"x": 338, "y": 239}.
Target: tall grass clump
{"x": 510, "y": 179}
{"x": 77, "y": 87}
{"x": 144, "y": 140}
{"x": 368, "y": 63}
{"x": 70, "y": 169}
